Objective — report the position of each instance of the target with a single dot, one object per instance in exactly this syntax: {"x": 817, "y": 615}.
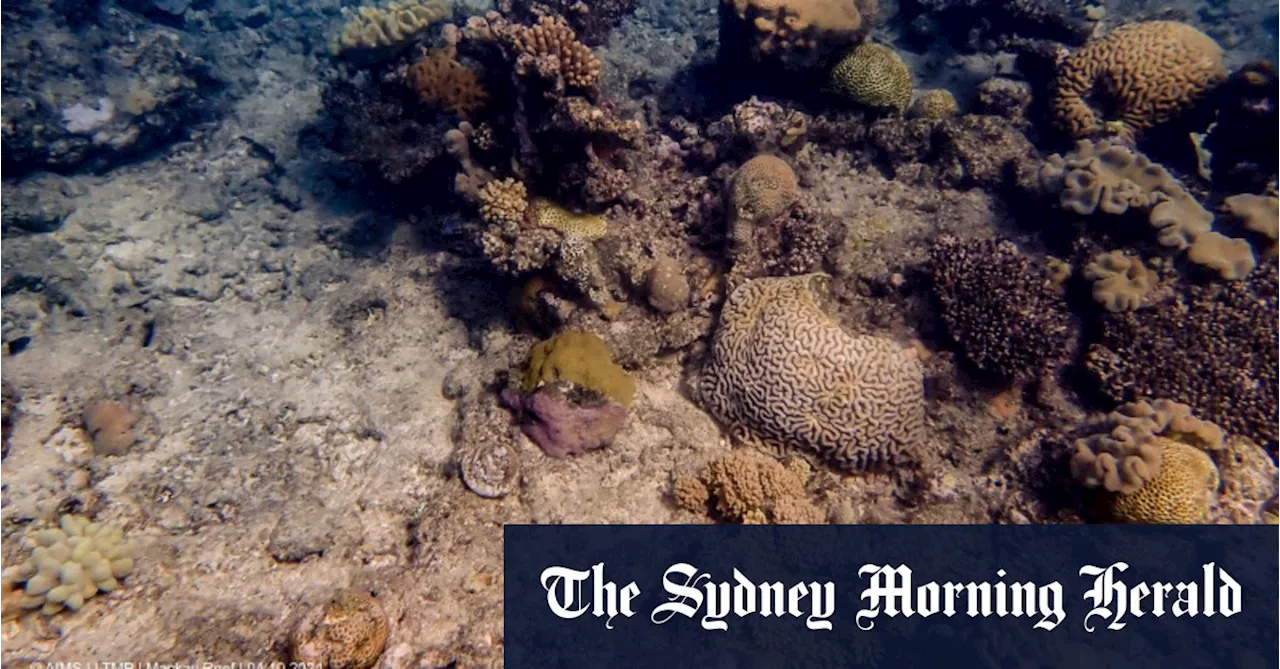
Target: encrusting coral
{"x": 1112, "y": 179}
{"x": 873, "y": 75}
{"x": 783, "y": 373}
{"x": 1007, "y": 316}
{"x": 570, "y": 395}
{"x": 1140, "y": 75}
{"x": 744, "y": 486}
{"x": 587, "y": 227}
{"x": 68, "y": 566}
{"x": 349, "y": 631}
{"x": 1119, "y": 280}
{"x": 390, "y": 26}
{"x": 796, "y": 34}
{"x": 1152, "y": 464}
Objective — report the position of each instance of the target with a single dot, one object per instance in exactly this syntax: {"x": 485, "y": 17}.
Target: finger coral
{"x": 1119, "y": 280}
{"x": 1006, "y": 315}
{"x": 748, "y": 487}
{"x": 797, "y": 34}
{"x": 873, "y": 75}
{"x": 1140, "y": 75}
{"x": 441, "y": 82}
{"x": 390, "y": 26}
{"x": 1112, "y": 179}
{"x": 70, "y": 565}
{"x": 349, "y": 631}
{"x": 554, "y": 49}
{"x": 783, "y": 373}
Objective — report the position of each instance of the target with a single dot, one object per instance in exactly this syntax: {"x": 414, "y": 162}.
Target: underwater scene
{"x": 304, "y": 301}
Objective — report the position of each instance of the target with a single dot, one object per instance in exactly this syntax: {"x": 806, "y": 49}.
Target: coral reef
{"x": 1258, "y": 213}
{"x": 349, "y": 631}
{"x": 110, "y": 426}
{"x": 791, "y": 34}
{"x": 873, "y": 75}
{"x": 1246, "y": 128}
{"x": 1140, "y": 75}
{"x": 1120, "y": 280}
{"x": 389, "y": 27}
{"x": 743, "y": 486}
{"x": 1209, "y": 346}
{"x": 592, "y": 22}
{"x": 1152, "y": 463}
{"x": 666, "y": 286}
{"x": 783, "y": 373}
{"x": 1111, "y": 179}
{"x": 68, "y": 566}
{"x": 579, "y": 358}
{"x": 552, "y": 49}
{"x": 992, "y": 25}
{"x": 1005, "y": 314}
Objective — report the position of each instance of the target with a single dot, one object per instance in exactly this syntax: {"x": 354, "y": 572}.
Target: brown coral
{"x": 1129, "y": 456}
{"x": 442, "y": 82}
{"x": 1141, "y": 75}
{"x": 553, "y": 48}
{"x": 797, "y": 34}
{"x": 1180, "y": 494}
{"x": 746, "y": 487}
{"x": 784, "y": 373}
{"x": 935, "y": 103}
{"x": 504, "y": 201}
{"x": 1119, "y": 280}
{"x": 110, "y": 426}
{"x": 763, "y": 188}
{"x": 1259, "y": 213}
{"x": 350, "y": 632}
{"x": 1113, "y": 179}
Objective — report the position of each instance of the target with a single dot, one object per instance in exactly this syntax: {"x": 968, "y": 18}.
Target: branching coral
{"x": 749, "y": 487}
{"x": 1006, "y": 315}
{"x": 442, "y": 82}
{"x": 797, "y": 34}
{"x": 1152, "y": 463}
{"x": 1112, "y": 179}
{"x": 390, "y": 26}
{"x": 68, "y": 566}
{"x": 1212, "y": 347}
{"x": 1120, "y": 281}
{"x": 873, "y": 75}
{"x": 783, "y": 373}
{"x": 551, "y": 49}
{"x": 592, "y": 21}
{"x": 504, "y": 202}
{"x": 1140, "y": 75}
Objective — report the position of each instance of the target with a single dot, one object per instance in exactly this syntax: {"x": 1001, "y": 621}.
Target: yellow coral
{"x": 1141, "y": 75}
{"x": 398, "y": 22}
{"x": 1179, "y": 494}
{"x": 752, "y": 488}
{"x": 935, "y": 103}
{"x": 578, "y": 226}
{"x": 503, "y": 201}
{"x": 350, "y": 631}
{"x": 442, "y": 82}
{"x": 580, "y": 358}
{"x": 873, "y": 75}
{"x": 68, "y": 566}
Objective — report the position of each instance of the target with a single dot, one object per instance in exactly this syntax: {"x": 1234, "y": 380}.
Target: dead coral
{"x": 1005, "y": 314}
{"x": 12, "y": 398}
{"x": 487, "y": 453}
{"x": 1212, "y": 347}
{"x": 442, "y": 82}
{"x": 783, "y": 373}
{"x": 795, "y": 34}
{"x": 1247, "y": 128}
{"x": 749, "y": 487}
{"x": 1112, "y": 179}
{"x": 1141, "y": 75}
{"x": 1120, "y": 281}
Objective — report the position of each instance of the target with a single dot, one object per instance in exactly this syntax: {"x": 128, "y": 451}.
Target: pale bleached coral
{"x": 783, "y": 373}
{"x": 68, "y": 566}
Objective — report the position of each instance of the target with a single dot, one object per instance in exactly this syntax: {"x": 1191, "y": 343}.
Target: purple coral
{"x": 561, "y": 426}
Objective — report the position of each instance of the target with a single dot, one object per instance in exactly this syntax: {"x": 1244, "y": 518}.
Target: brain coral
{"x": 873, "y": 75}
{"x": 1179, "y": 494}
{"x": 1006, "y": 315}
{"x": 935, "y": 103}
{"x": 1141, "y": 75}
{"x": 69, "y": 565}
{"x": 783, "y": 373}
{"x": 796, "y": 34}
{"x": 1212, "y": 347}
{"x": 350, "y": 631}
